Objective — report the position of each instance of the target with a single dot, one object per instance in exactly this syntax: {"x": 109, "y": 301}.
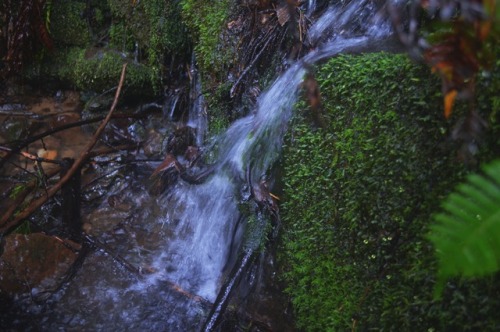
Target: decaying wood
{"x": 70, "y": 203}
{"x": 37, "y": 203}
{"x": 244, "y": 261}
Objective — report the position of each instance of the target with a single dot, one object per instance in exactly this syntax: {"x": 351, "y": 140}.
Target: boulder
{"x": 34, "y": 263}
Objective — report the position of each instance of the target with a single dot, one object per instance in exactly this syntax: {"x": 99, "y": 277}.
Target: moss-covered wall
{"x": 94, "y": 38}
{"x": 67, "y": 23}
{"x": 153, "y": 29}
{"x": 206, "y": 20}
{"x": 359, "y": 196}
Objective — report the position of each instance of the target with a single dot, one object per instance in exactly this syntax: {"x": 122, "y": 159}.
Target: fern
{"x": 466, "y": 235}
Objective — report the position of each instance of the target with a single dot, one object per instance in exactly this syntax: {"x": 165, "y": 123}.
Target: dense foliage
{"x": 359, "y": 198}
{"x": 23, "y": 33}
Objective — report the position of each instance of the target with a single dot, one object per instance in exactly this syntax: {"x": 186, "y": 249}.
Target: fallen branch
{"x": 245, "y": 260}
{"x": 141, "y": 271}
{"x": 32, "y": 139}
{"x": 31, "y": 185}
{"x": 37, "y": 203}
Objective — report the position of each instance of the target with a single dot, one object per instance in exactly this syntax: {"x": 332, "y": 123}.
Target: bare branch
{"x": 32, "y": 156}
{"x": 37, "y": 203}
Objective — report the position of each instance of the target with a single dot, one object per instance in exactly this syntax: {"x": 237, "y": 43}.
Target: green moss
{"x": 67, "y": 23}
{"x": 359, "y": 196}
{"x": 152, "y": 30}
{"x": 220, "y": 106}
{"x": 100, "y": 71}
{"x": 147, "y": 34}
{"x": 206, "y": 20}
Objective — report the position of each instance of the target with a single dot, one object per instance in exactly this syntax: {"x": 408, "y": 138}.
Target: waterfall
{"x": 311, "y": 7}
{"x": 170, "y": 104}
{"x": 189, "y": 239}
{"x": 205, "y": 217}
{"x": 197, "y": 111}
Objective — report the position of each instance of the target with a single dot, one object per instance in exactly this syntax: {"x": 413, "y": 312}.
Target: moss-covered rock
{"x": 358, "y": 199}
{"x": 152, "y": 28}
{"x": 97, "y": 70}
{"x": 68, "y": 25}
{"x": 206, "y": 21}
{"x": 147, "y": 34}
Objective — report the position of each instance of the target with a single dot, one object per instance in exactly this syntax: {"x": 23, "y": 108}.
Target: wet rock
{"x": 104, "y": 219}
{"x": 259, "y": 303}
{"x": 165, "y": 175}
{"x": 34, "y": 263}
{"x": 12, "y": 130}
{"x": 153, "y": 144}
{"x": 192, "y": 155}
{"x": 180, "y": 140}
{"x": 119, "y": 203}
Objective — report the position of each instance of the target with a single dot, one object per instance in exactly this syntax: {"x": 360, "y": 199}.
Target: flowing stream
{"x": 190, "y": 239}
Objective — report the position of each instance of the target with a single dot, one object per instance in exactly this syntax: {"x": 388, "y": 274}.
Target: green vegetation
{"x": 68, "y": 26}
{"x": 467, "y": 233}
{"x": 94, "y": 38}
{"x": 206, "y": 20}
{"x": 152, "y": 29}
{"x": 98, "y": 70}
{"x": 220, "y": 107}
{"x": 359, "y": 198}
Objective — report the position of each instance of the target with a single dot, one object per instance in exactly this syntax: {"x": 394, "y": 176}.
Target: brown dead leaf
{"x": 449, "y": 100}
{"x": 283, "y": 13}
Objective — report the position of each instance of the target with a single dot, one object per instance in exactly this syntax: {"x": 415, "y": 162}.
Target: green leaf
{"x": 466, "y": 234}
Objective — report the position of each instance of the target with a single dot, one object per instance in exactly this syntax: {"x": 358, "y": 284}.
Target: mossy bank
{"x": 359, "y": 196}
{"x": 92, "y": 39}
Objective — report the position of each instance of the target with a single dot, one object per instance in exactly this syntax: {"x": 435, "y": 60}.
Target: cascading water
{"x": 208, "y": 227}
{"x": 311, "y": 7}
{"x": 190, "y": 238}
{"x": 170, "y": 104}
{"x": 197, "y": 111}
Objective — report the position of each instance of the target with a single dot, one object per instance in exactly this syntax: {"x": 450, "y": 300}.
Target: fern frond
{"x": 466, "y": 234}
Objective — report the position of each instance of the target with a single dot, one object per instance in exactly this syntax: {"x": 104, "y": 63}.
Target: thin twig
{"x": 32, "y": 156}
{"x": 21, "y": 196}
{"x": 250, "y": 66}
{"x": 32, "y": 139}
{"x": 37, "y": 203}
